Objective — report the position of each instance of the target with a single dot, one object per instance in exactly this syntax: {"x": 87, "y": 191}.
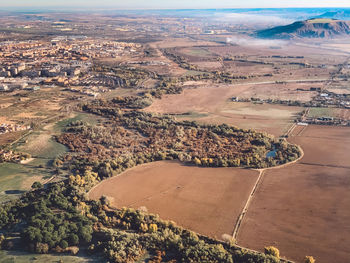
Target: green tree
{"x": 73, "y": 239}
{"x": 85, "y": 234}
{"x": 64, "y": 244}
{"x": 37, "y": 185}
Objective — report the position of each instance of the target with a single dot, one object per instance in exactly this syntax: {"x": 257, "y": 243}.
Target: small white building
{"x": 4, "y": 87}
{"x": 302, "y": 124}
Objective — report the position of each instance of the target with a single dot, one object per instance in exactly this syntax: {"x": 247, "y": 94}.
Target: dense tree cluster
{"x": 272, "y": 251}
{"x": 59, "y": 219}
{"x": 129, "y": 138}
{"x": 13, "y": 156}
{"x": 128, "y": 239}
{"x": 50, "y": 219}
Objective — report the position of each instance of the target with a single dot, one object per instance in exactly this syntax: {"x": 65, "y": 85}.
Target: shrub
{"x": 309, "y": 259}
{"x": 272, "y": 251}
{"x": 153, "y": 228}
{"x": 74, "y": 239}
{"x": 197, "y": 161}
{"x": 42, "y": 248}
{"x": 37, "y": 185}
{"x": 228, "y": 239}
{"x": 64, "y": 244}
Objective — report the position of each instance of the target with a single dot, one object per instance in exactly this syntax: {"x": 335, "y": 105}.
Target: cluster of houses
{"x": 327, "y": 98}
{"x": 324, "y": 120}
{"x": 63, "y": 61}
{"x": 11, "y": 156}
{"x": 6, "y": 128}
{"x": 323, "y": 98}
{"x": 92, "y": 91}
{"x": 12, "y": 70}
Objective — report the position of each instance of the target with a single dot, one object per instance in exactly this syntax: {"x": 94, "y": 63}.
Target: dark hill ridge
{"x": 313, "y": 28}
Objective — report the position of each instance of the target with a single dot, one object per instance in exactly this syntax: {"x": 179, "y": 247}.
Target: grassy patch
{"x": 321, "y": 112}
{"x": 320, "y": 20}
{"x": 192, "y": 115}
{"x": 23, "y": 257}
{"x": 41, "y": 145}
{"x": 13, "y": 177}
{"x": 192, "y": 73}
{"x": 198, "y": 52}
{"x": 85, "y": 117}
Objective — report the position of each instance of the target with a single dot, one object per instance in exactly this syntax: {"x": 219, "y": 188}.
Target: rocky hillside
{"x": 313, "y": 28}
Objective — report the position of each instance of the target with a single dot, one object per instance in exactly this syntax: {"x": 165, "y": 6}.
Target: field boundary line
{"x": 290, "y": 130}
{"x": 255, "y": 187}
{"x": 246, "y": 206}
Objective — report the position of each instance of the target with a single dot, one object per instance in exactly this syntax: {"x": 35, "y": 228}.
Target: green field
{"x": 41, "y": 144}
{"x": 320, "y": 20}
{"x": 192, "y": 73}
{"x": 197, "y": 51}
{"x": 85, "y": 117}
{"x": 16, "y": 178}
{"x": 22, "y": 257}
{"x": 322, "y": 112}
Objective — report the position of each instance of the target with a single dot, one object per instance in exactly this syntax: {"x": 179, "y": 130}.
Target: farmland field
{"x": 180, "y": 193}
{"x": 212, "y": 105}
{"x": 330, "y": 112}
{"x": 196, "y": 51}
{"x": 303, "y": 209}
{"x": 16, "y": 178}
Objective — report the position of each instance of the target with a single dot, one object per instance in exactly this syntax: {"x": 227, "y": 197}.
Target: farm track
{"x": 290, "y": 130}
{"x": 246, "y": 206}
{"x": 255, "y": 187}
{"x": 301, "y": 132}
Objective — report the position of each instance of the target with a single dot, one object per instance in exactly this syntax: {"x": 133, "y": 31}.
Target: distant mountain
{"x": 341, "y": 15}
{"x": 313, "y": 28}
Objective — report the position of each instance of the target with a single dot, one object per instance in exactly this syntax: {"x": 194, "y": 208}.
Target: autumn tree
{"x": 273, "y": 251}
{"x": 309, "y": 259}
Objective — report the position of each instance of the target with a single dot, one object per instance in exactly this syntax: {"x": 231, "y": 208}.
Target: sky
{"x": 172, "y": 4}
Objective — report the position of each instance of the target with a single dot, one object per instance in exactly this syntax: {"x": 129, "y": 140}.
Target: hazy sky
{"x": 154, "y": 4}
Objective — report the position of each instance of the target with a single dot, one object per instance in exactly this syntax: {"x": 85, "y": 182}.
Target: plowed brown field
{"x": 303, "y": 209}
{"x": 206, "y": 200}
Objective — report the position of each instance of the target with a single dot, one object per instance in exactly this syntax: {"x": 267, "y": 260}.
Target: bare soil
{"x": 206, "y": 200}
{"x": 303, "y": 209}
{"x": 206, "y": 98}
{"x": 214, "y": 106}
{"x": 7, "y": 138}
{"x": 288, "y": 91}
